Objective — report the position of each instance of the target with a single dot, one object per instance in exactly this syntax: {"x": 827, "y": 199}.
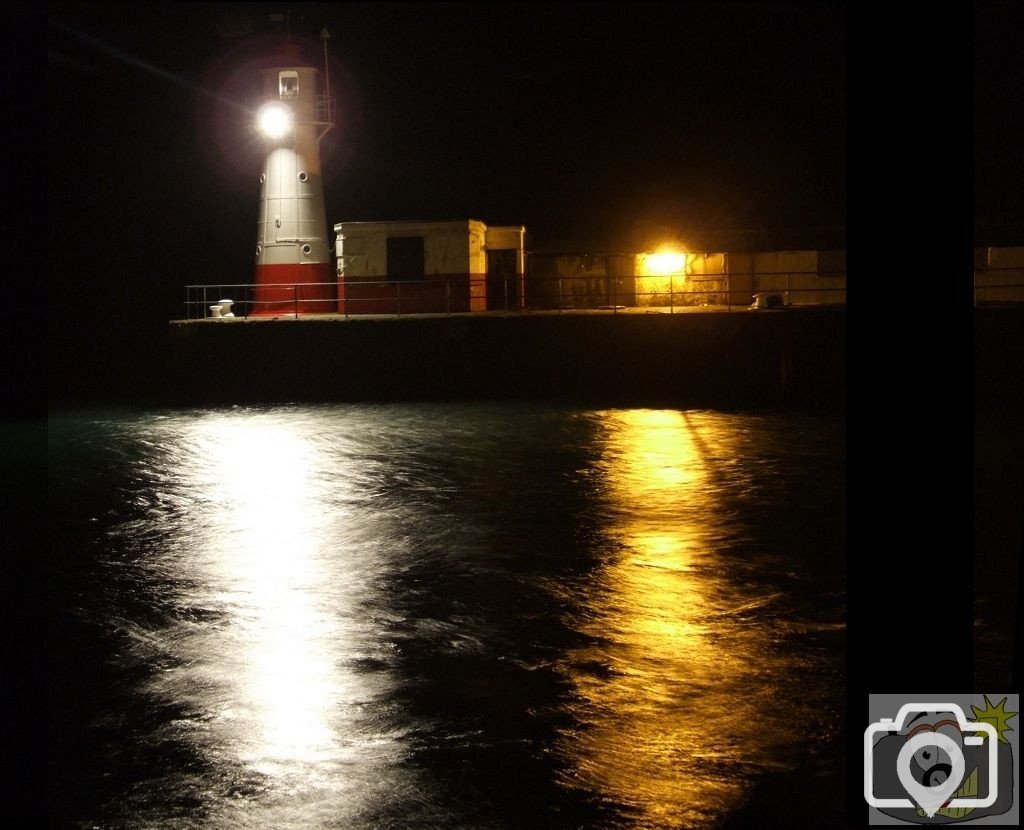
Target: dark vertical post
{"x": 1017, "y": 670}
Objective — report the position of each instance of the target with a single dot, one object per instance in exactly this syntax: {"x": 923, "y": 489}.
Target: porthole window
{"x": 303, "y": 176}
{"x": 259, "y": 250}
{"x": 263, "y": 177}
{"x": 307, "y": 249}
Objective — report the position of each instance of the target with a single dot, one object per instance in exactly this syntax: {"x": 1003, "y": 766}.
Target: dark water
{"x": 443, "y": 616}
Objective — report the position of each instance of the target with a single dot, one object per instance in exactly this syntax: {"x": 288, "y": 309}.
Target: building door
{"x": 405, "y": 258}
{"x": 502, "y": 287}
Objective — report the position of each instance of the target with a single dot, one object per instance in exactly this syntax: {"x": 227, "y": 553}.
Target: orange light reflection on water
{"x": 674, "y": 691}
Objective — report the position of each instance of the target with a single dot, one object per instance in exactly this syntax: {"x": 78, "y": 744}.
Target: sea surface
{"x": 439, "y": 615}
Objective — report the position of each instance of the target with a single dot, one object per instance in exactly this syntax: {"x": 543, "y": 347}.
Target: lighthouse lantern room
{"x": 294, "y": 273}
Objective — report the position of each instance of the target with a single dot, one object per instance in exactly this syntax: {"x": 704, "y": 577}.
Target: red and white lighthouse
{"x": 293, "y": 260}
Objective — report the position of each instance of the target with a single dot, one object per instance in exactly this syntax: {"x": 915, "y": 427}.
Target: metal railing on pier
{"x": 465, "y": 294}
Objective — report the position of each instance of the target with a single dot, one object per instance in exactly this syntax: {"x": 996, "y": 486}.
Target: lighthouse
{"x": 294, "y": 274}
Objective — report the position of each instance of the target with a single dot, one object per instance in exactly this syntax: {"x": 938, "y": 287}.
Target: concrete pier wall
{"x": 707, "y": 359}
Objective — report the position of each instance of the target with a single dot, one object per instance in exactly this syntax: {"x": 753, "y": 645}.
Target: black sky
{"x": 575, "y": 120}
{"x": 998, "y": 123}
{"x": 591, "y": 124}
{"x": 595, "y": 125}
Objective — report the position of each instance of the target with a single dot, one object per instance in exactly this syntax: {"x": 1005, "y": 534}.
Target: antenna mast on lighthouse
{"x": 325, "y": 36}
{"x": 328, "y": 101}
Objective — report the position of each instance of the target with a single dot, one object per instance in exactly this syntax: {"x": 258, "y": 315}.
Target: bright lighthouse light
{"x": 274, "y": 120}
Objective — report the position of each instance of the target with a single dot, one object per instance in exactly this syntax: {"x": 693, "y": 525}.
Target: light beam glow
{"x": 274, "y": 120}
{"x": 665, "y": 262}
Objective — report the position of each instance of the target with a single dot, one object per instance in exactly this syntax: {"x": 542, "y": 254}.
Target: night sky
{"x": 575, "y": 120}
{"x": 598, "y": 127}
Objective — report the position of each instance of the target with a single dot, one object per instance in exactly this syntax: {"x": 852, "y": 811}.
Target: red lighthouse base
{"x": 294, "y": 288}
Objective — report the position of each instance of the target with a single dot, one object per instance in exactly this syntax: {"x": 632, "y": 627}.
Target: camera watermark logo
{"x": 942, "y": 760}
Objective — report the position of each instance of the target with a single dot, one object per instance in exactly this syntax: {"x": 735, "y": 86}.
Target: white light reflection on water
{"x": 286, "y": 682}
{"x": 277, "y": 705}
{"x": 682, "y": 696}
